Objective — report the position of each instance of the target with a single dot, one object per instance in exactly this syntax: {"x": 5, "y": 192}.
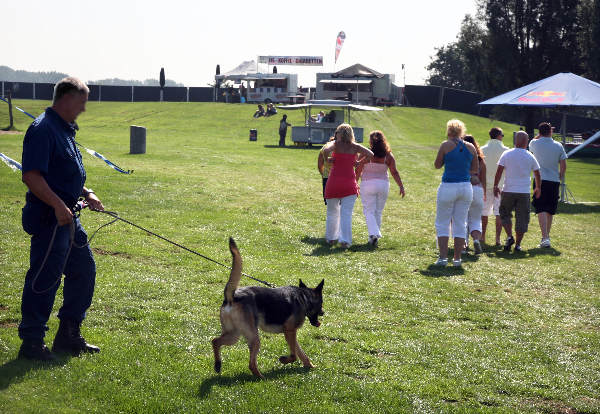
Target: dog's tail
{"x": 236, "y": 272}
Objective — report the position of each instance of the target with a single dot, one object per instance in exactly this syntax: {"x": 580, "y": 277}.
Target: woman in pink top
{"x": 375, "y": 184}
{"x": 341, "y": 189}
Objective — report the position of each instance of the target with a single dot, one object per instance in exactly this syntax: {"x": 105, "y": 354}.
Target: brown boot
{"x": 68, "y": 339}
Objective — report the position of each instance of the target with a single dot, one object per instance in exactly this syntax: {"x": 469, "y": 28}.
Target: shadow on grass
{"x": 524, "y": 254}
{"x": 233, "y": 380}
{"x": 12, "y": 371}
{"x": 564, "y": 208}
{"x": 442, "y": 271}
{"x": 315, "y": 147}
{"x": 324, "y": 249}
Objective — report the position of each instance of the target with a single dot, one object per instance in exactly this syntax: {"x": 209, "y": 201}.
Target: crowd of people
{"x": 477, "y": 182}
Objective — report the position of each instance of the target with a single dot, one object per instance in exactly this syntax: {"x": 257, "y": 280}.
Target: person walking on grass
{"x": 552, "y": 158}
{"x": 517, "y": 165}
{"x": 479, "y": 195}
{"x": 283, "y": 125}
{"x": 54, "y": 174}
{"x": 492, "y": 152}
{"x": 375, "y": 184}
{"x": 341, "y": 189}
{"x": 455, "y": 192}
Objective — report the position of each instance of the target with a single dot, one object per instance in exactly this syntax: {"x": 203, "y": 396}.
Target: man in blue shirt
{"x": 54, "y": 174}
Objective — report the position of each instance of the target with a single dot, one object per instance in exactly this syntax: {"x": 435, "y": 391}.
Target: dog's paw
{"x": 256, "y": 372}
{"x": 218, "y": 367}
{"x": 309, "y": 365}
{"x": 286, "y": 359}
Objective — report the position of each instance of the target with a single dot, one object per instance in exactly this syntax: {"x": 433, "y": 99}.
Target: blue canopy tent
{"x": 560, "y": 90}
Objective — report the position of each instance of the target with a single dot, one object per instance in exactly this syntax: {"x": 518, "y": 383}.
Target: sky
{"x": 131, "y": 39}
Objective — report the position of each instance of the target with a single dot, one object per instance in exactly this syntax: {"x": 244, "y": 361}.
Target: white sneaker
{"x": 545, "y": 243}
{"x": 441, "y": 262}
{"x": 457, "y": 263}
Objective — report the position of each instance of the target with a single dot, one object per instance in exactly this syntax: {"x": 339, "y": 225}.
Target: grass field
{"x": 506, "y": 333}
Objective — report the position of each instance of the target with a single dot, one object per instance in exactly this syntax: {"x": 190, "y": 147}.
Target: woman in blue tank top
{"x": 455, "y": 193}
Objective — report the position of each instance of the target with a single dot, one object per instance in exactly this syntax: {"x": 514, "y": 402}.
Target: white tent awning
{"x": 347, "y": 81}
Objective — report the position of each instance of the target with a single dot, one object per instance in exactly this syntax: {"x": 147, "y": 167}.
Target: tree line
{"x": 10, "y": 75}
{"x": 510, "y": 43}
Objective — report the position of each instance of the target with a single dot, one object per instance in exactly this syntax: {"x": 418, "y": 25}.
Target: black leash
{"x": 117, "y": 217}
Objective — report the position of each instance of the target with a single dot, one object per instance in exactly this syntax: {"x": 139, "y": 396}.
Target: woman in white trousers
{"x": 455, "y": 193}
{"x": 341, "y": 189}
{"x": 375, "y": 184}
{"x": 476, "y": 208}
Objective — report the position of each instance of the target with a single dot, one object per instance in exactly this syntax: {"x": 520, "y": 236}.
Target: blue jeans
{"x": 79, "y": 270}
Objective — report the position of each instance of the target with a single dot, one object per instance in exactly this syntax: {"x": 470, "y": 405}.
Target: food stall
{"x": 264, "y": 87}
{"x": 336, "y": 113}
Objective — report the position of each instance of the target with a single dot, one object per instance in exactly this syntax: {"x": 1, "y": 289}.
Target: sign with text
{"x": 292, "y": 60}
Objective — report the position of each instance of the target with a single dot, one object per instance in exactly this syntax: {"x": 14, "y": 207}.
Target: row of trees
{"x": 10, "y": 75}
{"x": 510, "y": 43}
{"x": 123, "y": 82}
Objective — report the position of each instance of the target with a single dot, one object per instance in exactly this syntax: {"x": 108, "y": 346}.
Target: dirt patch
{"x": 9, "y": 323}
{"x": 3, "y": 307}
{"x": 2, "y": 132}
{"x": 103, "y": 252}
{"x": 551, "y": 406}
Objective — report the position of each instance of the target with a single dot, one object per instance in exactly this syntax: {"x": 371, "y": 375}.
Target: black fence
{"x": 44, "y": 91}
{"x": 574, "y": 123}
{"x": 445, "y": 98}
{"x": 465, "y": 101}
{"x": 414, "y": 95}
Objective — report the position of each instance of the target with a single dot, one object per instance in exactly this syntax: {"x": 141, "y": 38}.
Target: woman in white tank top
{"x": 375, "y": 184}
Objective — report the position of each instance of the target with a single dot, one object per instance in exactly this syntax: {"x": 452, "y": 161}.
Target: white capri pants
{"x": 453, "y": 202}
{"x": 474, "y": 216}
{"x": 338, "y": 225}
{"x": 374, "y": 194}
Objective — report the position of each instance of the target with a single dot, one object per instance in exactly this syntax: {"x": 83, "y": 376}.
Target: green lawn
{"x": 507, "y": 333}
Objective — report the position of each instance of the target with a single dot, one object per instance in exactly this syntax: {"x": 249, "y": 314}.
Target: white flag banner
{"x": 339, "y": 42}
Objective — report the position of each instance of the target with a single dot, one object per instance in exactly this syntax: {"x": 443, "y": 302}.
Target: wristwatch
{"x": 86, "y": 193}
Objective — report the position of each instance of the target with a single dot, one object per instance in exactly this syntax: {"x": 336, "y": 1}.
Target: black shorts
{"x": 548, "y": 201}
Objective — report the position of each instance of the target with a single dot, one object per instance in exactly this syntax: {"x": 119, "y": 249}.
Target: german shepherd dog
{"x": 280, "y": 310}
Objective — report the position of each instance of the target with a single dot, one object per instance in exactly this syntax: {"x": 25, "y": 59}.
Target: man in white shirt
{"x": 550, "y": 155}
{"x": 517, "y": 164}
{"x": 492, "y": 152}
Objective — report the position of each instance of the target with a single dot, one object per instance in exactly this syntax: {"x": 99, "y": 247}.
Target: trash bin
{"x": 137, "y": 139}
{"x": 253, "y": 135}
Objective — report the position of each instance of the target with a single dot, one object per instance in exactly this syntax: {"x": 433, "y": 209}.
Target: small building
{"x": 358, "y": 84}
{"x": 261, "y": 87}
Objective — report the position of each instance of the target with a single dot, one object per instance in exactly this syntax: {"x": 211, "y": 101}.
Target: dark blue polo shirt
{"x": 49, "y": 147}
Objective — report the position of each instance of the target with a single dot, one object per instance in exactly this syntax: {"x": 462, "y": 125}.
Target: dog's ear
{"x": 302, "y": 284}
{"x": 319, "y": 287}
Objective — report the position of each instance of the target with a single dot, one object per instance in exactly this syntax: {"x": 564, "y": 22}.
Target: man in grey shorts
{"x": 550, "y": 154}
{"x": 517, "y": 165}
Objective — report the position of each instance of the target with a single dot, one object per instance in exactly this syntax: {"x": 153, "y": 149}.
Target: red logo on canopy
{"x": 543, "y": 97}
